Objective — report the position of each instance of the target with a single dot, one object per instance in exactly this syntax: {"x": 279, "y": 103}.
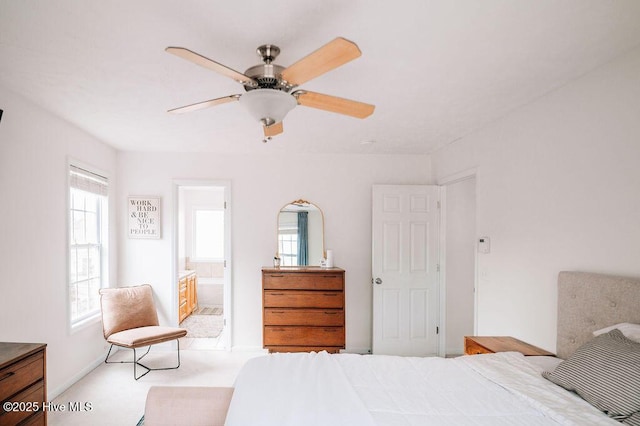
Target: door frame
{"x": 443, "y": 183}
{"x": 228, "y": 279}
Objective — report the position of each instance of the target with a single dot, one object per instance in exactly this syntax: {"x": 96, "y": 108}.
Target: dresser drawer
{"x": 31, "y": 397}
{"x": 316, "y": 317}
{"x": 18, "y": 376}
{"x": 304, "y": 336}
{"x": 37, "y": 419}
{"x": 315, "y": 281}
{"x": 303, "y": 299}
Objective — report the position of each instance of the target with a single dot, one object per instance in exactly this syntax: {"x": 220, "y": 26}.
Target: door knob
{"x": 378, "y": 281}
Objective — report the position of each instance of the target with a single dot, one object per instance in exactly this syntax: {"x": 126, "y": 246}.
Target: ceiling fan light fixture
{"x": 268, "y": 106}
{"x": 267, "y": 85}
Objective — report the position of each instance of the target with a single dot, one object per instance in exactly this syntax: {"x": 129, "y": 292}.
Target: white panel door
{"x": 406, "y": 222}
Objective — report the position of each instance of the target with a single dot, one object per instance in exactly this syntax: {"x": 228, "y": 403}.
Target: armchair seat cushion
{"x": 145, "y": 336}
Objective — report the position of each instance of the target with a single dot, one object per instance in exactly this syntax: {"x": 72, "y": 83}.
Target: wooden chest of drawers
{"x": 303, "y": 309}
{"x": 23, "y": 383}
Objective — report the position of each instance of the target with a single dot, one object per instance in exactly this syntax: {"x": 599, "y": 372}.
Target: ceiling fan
{"x": 268, "y": 87}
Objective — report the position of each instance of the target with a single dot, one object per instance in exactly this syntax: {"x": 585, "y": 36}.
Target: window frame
{"x": 288, "y": 258}
{"x": 102, "y": 229}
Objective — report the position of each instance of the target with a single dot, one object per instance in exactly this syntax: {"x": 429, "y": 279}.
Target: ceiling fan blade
{"x": 204, "y": 104}
{"x": 333, "y": 54}
{"x": 334, "y": 104}
{"x": 210, "y": 64}
{"x": 274, "y": 129}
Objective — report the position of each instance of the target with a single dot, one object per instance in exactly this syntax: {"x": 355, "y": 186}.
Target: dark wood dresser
{"x": 303, "y": 309}
{"x": 23, "y": 382}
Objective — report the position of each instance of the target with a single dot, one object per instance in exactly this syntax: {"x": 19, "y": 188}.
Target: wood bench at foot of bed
{"x": 187, "y": 405}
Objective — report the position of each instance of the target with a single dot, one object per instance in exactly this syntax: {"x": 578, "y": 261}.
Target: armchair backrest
{"x": 125, "y": 308}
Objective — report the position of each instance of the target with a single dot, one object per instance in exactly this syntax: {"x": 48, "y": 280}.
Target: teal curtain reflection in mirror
{"x": 303, "y": 238}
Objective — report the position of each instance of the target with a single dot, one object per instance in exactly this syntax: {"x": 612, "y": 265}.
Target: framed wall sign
{"x": 144, "y": 217}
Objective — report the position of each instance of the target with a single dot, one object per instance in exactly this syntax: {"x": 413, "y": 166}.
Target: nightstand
{"x": 474, "y": 345}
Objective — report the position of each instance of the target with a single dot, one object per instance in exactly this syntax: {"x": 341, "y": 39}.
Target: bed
{"x": 493, "y": 389}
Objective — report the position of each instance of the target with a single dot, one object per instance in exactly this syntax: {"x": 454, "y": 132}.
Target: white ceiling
{"x": 436, "y": 70}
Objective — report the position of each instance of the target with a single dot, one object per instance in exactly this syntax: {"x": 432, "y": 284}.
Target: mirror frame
{"x": 300, "y": 202}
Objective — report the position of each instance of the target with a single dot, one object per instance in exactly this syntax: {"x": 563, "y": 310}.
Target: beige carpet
{"x": 117, "y": 399}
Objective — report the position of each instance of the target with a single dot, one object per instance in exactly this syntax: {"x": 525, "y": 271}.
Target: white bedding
{"x": 319, "y": 389}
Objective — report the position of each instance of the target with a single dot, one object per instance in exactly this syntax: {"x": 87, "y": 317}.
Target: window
{"x": 208, "y": 232}
{"x": 288, "y": 238}
{"x": 88, "y": 255}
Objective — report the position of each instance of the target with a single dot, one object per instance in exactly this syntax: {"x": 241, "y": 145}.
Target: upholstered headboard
{"x": 589, "y": 302}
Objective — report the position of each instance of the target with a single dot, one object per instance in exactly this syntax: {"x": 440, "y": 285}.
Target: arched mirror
{"x": 300, "y": 234}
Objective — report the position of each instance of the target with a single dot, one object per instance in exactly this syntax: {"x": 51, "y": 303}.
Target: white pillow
{"x": 630, "y": 331}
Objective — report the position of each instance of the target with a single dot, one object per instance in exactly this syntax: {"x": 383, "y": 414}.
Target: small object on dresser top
{"x": 474, "y": 345}
{"x": 329, "y": 261}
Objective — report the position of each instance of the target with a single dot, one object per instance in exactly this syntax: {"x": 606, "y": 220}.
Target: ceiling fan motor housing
{"x": 268, "y": 76}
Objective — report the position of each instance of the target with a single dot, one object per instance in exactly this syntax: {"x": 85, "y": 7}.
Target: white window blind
{"x": 85, "y": 180}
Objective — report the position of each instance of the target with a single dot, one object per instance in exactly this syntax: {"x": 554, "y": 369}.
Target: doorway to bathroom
{"x": 203, "y": 263}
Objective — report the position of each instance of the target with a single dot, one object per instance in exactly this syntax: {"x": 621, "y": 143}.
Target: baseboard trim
{"x": 54, "y": 393}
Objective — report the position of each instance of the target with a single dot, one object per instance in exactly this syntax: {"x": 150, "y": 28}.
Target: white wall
{"x": 34, "y": 146}
{"x": 260, "y": 186}
{"x": 460, "y": 262}
{"x": 558, "y": 184}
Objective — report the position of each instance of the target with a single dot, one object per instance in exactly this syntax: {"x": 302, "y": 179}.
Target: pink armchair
{"x": 130, "y": 320}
